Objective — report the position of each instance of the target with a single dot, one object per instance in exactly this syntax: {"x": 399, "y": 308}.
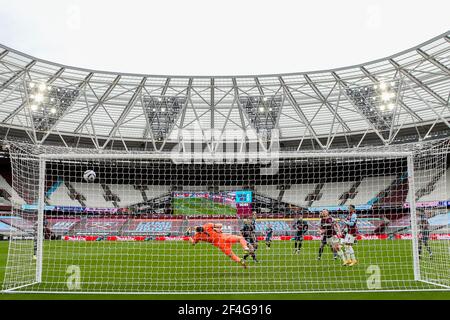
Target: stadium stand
{"x": 98, "y": 226}
{"x": 270, "y": 191}
{"x": 8, "y": 192}
{"x": 436, "y": 190}
{"x": 298, "y": 193}
{"x": 155, "y": 191}
{"x": 378, "y": 189}
{"x": 370, "y": 187}
{"x": 62, "y": 226}
{"x": 94, "y": 195}
{"x": 61, "y": 197}
{"x": 126, "y": 193}
{"x": 331, "y": 192}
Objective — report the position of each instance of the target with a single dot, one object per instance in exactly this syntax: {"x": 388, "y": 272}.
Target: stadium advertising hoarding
{"x": 260, "y": 238}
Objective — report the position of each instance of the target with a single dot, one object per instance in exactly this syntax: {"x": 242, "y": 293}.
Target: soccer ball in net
{"x": 89, "y": 175}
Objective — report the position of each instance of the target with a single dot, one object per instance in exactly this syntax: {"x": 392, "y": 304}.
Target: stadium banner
{"x": 173, "y": 227}
{"x": 278, "y": 238}
{"x": 419, "y": 204}
{"x": 19, "y": 223}
{"x": 340, "y": 208}
{"x": 70, "y": 208}
{"x": 152, "y": 227}
{"x": 433, "y": 236}
{"x": 62, "y": 225}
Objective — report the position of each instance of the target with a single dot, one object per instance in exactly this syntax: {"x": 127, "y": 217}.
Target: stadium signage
{"x": 340, "y": 208}
{"x": 279, "y": 238}
{"x": 243, "y": 196}
{"x": 445, "y": 203}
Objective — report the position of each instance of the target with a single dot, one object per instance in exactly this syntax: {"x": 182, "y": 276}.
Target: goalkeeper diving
{"x": 212, "y": 233}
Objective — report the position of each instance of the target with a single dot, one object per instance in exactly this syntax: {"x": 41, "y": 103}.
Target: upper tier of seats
{"x": 429, "y": 186}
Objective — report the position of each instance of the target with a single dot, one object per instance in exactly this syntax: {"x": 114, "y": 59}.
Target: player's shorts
{"x": 268, "y": 238}
{"x": 349, "y": 239}
{"x": 331, "y": 240}
{"x": 298, "y": 236}
{"x": 250, "y": 240}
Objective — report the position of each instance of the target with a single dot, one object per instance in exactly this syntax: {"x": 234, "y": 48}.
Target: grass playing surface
{"x": 200, "y": 206}
{"x": 177, "y": 266}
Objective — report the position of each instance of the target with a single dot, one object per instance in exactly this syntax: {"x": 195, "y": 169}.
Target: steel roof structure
{"x": 387, "y": 101}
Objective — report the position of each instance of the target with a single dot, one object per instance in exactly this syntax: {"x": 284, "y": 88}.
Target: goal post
{"x": 109, "y": 221}
{"x": 39, "y": 233}
{"x": 27, "y": 210}
{"x": 413, "y": 217}
{"x": 429, "y": 168}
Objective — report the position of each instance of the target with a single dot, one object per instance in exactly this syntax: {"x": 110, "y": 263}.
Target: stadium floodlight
{"x": 48, "y": 103}
{"x": 263, "y": 112}
{"x": 386, "y": 96}
{"x": 42, "y": 87}
{"x": 161, "y": 113}
{"x": 376, "y": 103}
{"x": 39, "y": 98}
{"x": 140, "y": 211}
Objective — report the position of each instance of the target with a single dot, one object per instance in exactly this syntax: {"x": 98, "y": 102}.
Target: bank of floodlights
{"x": 48, "y": 103}
{"x": 263, "y": 112}
{"x": 376, "y": 102}
{"x": 162, "y": 113}
{"x": 386, "y": 94}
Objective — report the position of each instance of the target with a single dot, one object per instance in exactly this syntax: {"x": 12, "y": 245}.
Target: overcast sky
{"x": 212, "y": 37}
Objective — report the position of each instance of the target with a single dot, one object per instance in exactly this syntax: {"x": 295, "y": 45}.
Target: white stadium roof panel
{"x": 313, "y": 105}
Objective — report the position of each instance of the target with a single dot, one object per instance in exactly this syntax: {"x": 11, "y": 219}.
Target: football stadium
{"x": 323, "y": 183}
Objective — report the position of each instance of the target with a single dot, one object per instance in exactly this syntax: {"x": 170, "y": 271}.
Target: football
{"x": 89, "y": 175}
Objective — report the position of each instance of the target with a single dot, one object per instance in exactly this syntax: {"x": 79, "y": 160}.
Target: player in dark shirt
{"x": 269, "y": 234}
{"x": 253, "y": 221}
{"x": 301, "y": 227}
{"x": 47, "y": 235}
{"x": 424, "y": 235}
{"x": 249, "y": 234}
{"x": 330, "y": 231}
{"x": 188, "y": 232}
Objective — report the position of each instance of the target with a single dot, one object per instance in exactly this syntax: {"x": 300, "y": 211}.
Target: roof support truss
{"x": 102, "y": 99}
{"x": 125, "y": 112}
{"x": 300, "y": 113}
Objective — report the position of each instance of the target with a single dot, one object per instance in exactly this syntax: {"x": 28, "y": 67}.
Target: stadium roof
{"x": 399, "y": 98}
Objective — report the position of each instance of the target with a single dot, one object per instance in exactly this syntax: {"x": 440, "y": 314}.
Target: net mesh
{"x": 127, "y": 222}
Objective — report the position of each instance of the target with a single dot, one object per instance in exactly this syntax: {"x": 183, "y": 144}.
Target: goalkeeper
{"x": 212, "y": 233}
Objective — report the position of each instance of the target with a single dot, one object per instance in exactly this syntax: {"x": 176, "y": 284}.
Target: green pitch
{"x": 200, "y": 206}
{"x": 177, "y": 266}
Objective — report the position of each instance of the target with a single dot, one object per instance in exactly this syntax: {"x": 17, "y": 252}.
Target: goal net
{"x": 118, "y": 222}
